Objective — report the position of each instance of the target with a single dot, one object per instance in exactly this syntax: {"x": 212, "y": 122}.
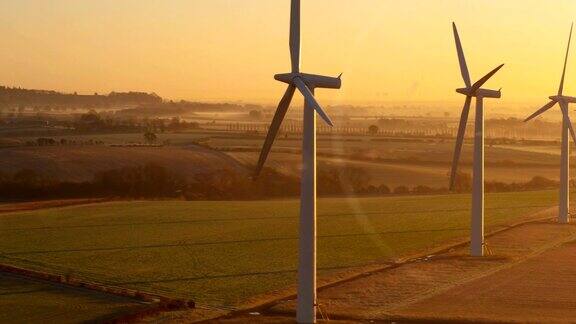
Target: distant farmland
{"x": 221, "y": 253}
{"x": 392, "y": 162}
{"x": 403, "y": 173}
{"x": 395, "y": 162}
{"x": 80, "y": 162}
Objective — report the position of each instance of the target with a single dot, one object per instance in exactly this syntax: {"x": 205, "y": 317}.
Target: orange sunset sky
{"x": 228, "y": 50}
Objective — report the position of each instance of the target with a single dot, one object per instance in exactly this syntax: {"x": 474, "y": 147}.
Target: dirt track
{"x": 539, "y": 290}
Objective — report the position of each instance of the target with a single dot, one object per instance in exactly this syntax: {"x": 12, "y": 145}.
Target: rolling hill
{"x": 80, "y": 163}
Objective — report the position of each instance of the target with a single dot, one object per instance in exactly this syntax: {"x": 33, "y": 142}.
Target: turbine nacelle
{"x": 484, "y": 93}
{"x": 561, "y": 98}
{"x": 312, "y": 80}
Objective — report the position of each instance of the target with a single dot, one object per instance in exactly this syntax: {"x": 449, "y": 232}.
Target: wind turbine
{"x": 563, "y": 101}
{"x": 470, "y": 91}
{"x": 306, "y": 84}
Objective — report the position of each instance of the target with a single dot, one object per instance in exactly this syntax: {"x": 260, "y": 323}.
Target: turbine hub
{"x": 286, "y": 77}
{"x": 484, "y": 93}
{"x": 312, "y": 80}
{"x": 556, "y": 98}
{"x": 464, "y": 91}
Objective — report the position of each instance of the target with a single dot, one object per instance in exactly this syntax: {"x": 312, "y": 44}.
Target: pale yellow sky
{"x": 389, "y": 51}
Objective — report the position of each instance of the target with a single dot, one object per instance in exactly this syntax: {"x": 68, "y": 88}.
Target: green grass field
{"x": 28, "y": 301}
{"x": 220, "y": 253}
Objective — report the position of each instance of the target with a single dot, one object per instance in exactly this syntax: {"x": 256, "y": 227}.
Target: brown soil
{"x": 433, "y": 288}
{"x": 396, "y": 173}
{"x": 539, "y": 290}
{"x": 80, "y": 163}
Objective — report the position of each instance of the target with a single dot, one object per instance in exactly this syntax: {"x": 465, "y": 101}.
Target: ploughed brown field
{"x": 540, "y": 289}
{"x": 401, "y": 172}
{"x": 80, "y": 163}
{"x": 393, "y": 163}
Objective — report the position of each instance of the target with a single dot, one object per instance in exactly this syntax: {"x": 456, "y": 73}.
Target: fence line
{"x": 295, "y": 128}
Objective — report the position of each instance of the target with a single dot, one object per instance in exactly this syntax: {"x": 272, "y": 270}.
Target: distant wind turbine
{"x": 305, "y": 83}
{"x": 563, "y": 101}
{"x": 473, "y": 90}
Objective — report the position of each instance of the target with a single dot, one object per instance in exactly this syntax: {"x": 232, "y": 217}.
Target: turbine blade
{"x": 295, "y": 35}
{"x": 274, "y": 127}
{"x": 310, "y": 100}
{"x": 566, "y": 116}
{"x": 459, "y": 141}
{"x": 561, "y": 88}
{"x": 485, "y": 78}
{"x": 461, "y": 58}
{"x": 541, "y": 110}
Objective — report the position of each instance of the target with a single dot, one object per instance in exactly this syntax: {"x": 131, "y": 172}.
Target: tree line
{"x": 15, "y": 96}
{"x": 152, "y": 181}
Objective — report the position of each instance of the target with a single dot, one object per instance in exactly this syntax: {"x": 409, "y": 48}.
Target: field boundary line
{"x": 50, "y": 204}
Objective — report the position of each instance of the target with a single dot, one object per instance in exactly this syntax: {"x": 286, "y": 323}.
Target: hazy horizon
{"x": 180, "y": 53}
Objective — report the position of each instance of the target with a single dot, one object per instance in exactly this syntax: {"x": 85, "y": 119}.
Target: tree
{"x": 43, "y": 141}
{"x": 90, "y": 120}
{"x": 255, "y": 114}
{"x": 539, "y": 182}
{"x": 371, "y": 189}
{"x": 340, "y": 180}
{"x": 421, "y": 189}
{"x": 373, "y": 129}
{"x": 27, "y": 177}
{"x": 401, "y": 190}
{"x": 463, "y": 182}
{"x": 150, "y": 137}
{"x": 383, "y": 189}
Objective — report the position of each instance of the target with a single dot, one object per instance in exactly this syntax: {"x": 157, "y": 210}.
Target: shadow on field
{"x": 272, "y": 239}
{"x": 25, "y": 292}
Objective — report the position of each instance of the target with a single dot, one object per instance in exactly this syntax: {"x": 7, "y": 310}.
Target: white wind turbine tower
{"x": 305, "y": 83}
{"x": 563, "y": 101}
{"x": 473, "y": 90}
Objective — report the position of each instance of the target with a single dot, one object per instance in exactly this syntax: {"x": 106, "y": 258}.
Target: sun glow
{"x": 389, "y": 51}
